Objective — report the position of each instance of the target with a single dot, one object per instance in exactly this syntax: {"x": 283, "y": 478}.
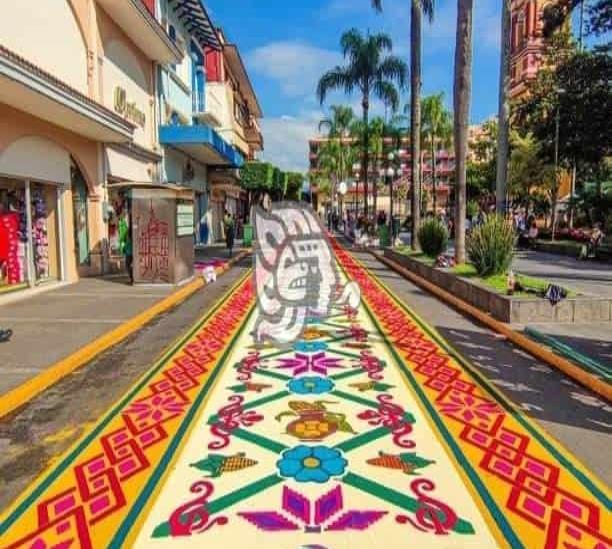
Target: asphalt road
{"x": 33, "y": 436}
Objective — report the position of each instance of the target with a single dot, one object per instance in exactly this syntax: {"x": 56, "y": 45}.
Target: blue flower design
{"x": 311, "y": 463}
{"x": 313, "y": 320}
{"x": 311, "y": 385}
{"x": 310, "y": 346}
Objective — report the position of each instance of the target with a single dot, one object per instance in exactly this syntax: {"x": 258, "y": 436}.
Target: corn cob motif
{"x": 365, "y": 386}
{"x": 408, "y": 463}
{"x": 216, "y": 464}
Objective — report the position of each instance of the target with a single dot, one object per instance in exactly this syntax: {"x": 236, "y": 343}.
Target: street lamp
{"x": 356, "y": 170}
{"x": 390, "y": 173}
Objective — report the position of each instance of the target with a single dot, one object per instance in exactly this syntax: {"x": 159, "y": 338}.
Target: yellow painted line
{"x": 27, "y": 391}
{"x": 538, "y": 351}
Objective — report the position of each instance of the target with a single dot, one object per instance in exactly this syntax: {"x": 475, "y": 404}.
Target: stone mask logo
{"x": 295, "y": 272}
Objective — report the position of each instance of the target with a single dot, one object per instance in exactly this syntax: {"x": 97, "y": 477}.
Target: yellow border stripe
{"x": 24, "y": 393}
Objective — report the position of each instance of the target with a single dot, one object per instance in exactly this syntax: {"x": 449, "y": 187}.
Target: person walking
{"x": 230, "y": 232}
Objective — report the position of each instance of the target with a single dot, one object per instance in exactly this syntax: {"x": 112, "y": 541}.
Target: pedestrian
{"x": 230, "y": 232}
{"x": 129, "y": 255}
{"x": 5, "y": 335}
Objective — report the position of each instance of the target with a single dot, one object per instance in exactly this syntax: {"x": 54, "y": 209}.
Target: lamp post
{"x": 390, "y": 173}
{"x": 356, "y": 169}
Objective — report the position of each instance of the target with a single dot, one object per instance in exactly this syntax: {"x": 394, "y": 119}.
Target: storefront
{"x": 30, "y": 239}
{"x": 226, "y": 196}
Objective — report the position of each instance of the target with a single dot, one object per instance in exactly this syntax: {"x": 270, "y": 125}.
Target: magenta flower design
{"x": 470, "y": 408}
{"x": 323, "y": 514}
{"x": 318, "y": 363}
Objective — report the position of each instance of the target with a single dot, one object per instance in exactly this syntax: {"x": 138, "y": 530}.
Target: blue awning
{"x": 194, "y": 16}
{"x": 202, "y": 143}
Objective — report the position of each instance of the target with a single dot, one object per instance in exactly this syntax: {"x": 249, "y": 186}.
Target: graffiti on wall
{"x": 153, "y": 248}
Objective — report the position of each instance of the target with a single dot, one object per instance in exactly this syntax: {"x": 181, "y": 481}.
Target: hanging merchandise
{"x": 40, "y": 238}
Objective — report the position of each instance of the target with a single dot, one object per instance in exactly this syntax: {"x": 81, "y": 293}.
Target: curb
{"x": 596, "y": 385}
{"x": 21, "y": 395}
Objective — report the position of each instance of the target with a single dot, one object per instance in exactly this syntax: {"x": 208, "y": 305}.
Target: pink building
{"x": 527, "y": 43}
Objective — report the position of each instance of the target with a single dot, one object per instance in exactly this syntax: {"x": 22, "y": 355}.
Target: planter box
{"x": 519, "y": 310}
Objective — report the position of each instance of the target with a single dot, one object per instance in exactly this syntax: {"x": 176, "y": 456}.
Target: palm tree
{"x": 339, "y": 124}
{"x": 417, "y": 9}
{"x": 462, "y": 94}
{"x": 503, "y": 131}
{"x": 369, "y": 71}
{"x": 437, "y": 130}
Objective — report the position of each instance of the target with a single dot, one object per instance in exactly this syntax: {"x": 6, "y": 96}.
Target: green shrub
{"x": 490, "y": 246}
{"x": 472, "y": 208}
{"x": 433, "y": 237}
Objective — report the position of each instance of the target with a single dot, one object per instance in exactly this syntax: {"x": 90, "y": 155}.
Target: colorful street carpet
{"x": 369, "y": 432}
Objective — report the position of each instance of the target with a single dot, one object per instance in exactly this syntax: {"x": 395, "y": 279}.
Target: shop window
{"x": 80, "y": 215}
{"x": 13, "y": 235}
{"x": 28, "y": 255}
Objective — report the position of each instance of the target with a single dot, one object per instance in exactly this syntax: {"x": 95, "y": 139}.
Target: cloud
{"x": 286, "y": 139}
{"x": 296, "y": 66}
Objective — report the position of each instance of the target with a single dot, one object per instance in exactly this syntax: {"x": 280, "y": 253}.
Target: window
{"x": 172, "y": 35}
{"x": 241, "y": 113}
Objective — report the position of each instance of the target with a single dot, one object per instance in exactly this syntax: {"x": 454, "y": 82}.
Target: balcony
{"x": 142, "y": 28}
{"x": 207, "y": 109}
{"x": 202, "y": 143}
{"x": 28, "y": 88}
{"x": 254, "y": 136}
{"x": 176, "y": 94}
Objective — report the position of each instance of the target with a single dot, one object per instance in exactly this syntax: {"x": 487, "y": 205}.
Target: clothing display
{"x": 40, "y": 238}
{"x": 13, "y": 237}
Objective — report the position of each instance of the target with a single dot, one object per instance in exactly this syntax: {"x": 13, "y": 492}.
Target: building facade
{"x": 74, "y": 113}
{"x": 235, "y": 112}
{"x": 526, "y": 43}
{"x": 119, "y": 99}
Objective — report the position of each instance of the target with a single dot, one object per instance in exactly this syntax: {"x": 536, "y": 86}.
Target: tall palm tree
{"x": 503, "y": 129}
{"x": 418, "y": 8}
{"x": 462, "y": 94}
{"x": 339, "y": 123}
{"x": 370, "y": 71}
{"x": 437, "y": 130}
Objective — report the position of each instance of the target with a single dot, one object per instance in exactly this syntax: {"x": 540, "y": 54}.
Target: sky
{"x": 288, "y": 44}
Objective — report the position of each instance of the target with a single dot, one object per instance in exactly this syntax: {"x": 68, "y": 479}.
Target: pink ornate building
{"x": 527, "y": 43}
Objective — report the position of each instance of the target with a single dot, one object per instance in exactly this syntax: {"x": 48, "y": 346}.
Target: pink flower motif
{"x": 468, "y": 408}
{"x": 318, "y": 363}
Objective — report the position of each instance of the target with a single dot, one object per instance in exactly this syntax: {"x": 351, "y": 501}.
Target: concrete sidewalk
{"x": 588, "y": 277}
{"x": 50, "y": 326}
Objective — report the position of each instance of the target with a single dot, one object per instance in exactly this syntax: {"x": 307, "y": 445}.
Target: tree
{"x": 503, "y": 133}
{"x": 462, "y": 93}
{"x": 437, "y": 131}
{"x": 295, "y": 182}
{"x": 256, "y": 178}
{"x": 339, "y": 124}
{"x": 599, "y": 15}
{"x": 371, "y": 72}
{"x": 417, "y": 9}
{"x": 530, "y": 176}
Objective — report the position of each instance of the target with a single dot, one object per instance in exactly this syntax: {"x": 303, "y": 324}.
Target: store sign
{"x": 128, "y": 109}
{"x": 184, "y": 219}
